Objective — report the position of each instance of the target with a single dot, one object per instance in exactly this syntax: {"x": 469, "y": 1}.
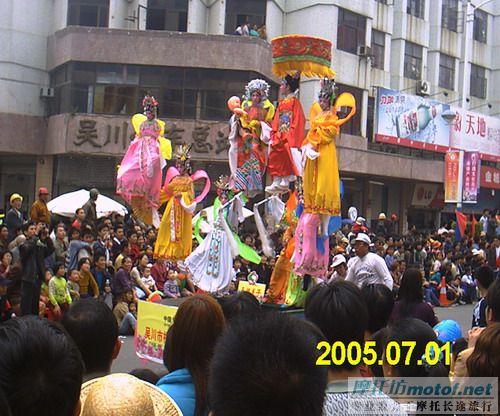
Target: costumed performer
{"x": 287, "y": 135}
{"x": 140, "y": 173}
{"x": 248, "y": 137}
{"x": 282, "y": 271}
{"x": 174, "y": 241}
{"x": 321, "y": 181}
{"x": 211, "y": 263}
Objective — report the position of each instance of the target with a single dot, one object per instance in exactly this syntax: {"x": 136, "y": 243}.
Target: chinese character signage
{"x": 256, "y": 289}
{"x": 452, "y": 165}
{"x": 473, "y": 131}
{"x": 410, "y": 120}
{"x": 470, "y": 177}
{"x": 153, "y": 322}
{"x": 490, "y": 177}
{"x": 413, "y": 121}
{"x": 111, "y": 135}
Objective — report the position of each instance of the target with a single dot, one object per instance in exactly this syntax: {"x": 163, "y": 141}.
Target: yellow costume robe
{"x": 321, "y": 175}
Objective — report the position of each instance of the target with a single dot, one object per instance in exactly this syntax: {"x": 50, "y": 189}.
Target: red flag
{"x": 474, "y": 222}
{"x": 461, "y": 224}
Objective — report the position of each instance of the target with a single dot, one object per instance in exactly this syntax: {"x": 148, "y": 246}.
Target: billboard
{"x": 414, "y": 121}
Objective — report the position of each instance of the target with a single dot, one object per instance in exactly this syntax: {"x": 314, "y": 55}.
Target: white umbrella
{"x": 67, "y": 204}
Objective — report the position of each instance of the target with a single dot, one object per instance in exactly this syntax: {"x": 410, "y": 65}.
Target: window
{"x": 378, "y": 49}
{"x": 118, "y": 89}
{"x": 447, "y": 72}
{"x": 480, "y": 26}
{"x": 478, "y": 81}
{"x": 88, "y": 13}
{"x": 413, "y": 61}
{"x": 449, "y": 14}
{"x": 353, "y": 126}
{"x": 242, "y": 11}
{"x": 167, "y": 15}
{"x": 351, "y": 31}
{"x": 416, "y": 8}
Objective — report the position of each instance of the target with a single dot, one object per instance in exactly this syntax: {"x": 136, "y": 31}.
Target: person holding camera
{"x": 33, "y": 252}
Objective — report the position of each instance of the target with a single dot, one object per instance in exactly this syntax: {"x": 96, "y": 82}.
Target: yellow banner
{"x": 153, "y": 323}
{"x": 256, "y": 289}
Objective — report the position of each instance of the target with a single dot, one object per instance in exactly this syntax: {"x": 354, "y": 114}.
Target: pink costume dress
{"x": 307, "y": 257}
{"x": 140, "y": 173}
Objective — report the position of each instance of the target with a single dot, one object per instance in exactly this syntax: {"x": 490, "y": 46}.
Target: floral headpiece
{"x": 258, "y": 85}
{"x": 149, "y": 103}
{"x": 327, "y": 89}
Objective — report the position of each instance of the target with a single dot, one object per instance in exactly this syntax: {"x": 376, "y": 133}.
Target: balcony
{"x": 162, "y": 48}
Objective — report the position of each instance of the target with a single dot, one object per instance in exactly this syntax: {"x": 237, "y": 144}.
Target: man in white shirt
{"x": 367, "y": 268}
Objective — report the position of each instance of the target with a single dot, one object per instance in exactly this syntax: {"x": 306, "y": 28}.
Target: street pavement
{"x": 128, "y": 360}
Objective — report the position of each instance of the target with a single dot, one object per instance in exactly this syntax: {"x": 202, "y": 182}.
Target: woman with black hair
{"x": 410, "y": 302}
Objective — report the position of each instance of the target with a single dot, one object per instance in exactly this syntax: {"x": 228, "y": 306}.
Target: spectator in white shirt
{"x": 339, "y": 267}
{"x": 367, "y": 268}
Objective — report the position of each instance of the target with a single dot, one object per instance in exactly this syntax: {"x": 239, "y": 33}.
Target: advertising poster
{"x": 411, "y": 120}
{"x": 153, "y": 323}
{"x": 417, "y": 122}
{"x": 471, "y": 177}
{"x": 452, "y": 176}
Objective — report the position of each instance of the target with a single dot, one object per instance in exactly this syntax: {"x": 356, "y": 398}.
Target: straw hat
{"x": 123, "y": 394}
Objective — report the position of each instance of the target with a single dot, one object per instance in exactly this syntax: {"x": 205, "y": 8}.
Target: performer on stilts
{"x": 174, "y": 241}
{"x": 249, "y": 136}
{"x": 211, "y": 263}
{"x": 286, "y": 137}
{"x": 321, "y": 181}
{"x": 140, "y": 173}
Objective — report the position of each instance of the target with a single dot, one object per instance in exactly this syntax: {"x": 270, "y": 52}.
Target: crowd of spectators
{"x": 229, "y": 355}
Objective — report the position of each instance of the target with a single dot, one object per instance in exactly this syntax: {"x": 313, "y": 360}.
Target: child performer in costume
{"x": 321, "y": 181}
{"x": 140, "y": 173}
{"x": 211, "y": 264}
{"x": 287, "y": 135}
{"x": 174, "y": 240}
{"x": 248, "y": 136}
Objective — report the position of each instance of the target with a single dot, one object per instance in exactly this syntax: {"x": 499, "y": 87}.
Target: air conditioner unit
{"x": 423, "y": 87}
{"x": 364, "y": 50}
{"x": 47, "y": 92}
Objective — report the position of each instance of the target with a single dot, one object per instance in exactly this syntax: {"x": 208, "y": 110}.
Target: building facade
{"x": 74, "y": 71}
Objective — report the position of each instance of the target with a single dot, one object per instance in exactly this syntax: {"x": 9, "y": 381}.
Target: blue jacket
{"x": 179, "y": 386}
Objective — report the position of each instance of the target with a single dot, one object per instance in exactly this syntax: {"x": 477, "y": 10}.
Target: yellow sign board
{"x": 153, "y": 322}
{"x": 256, "y": 289}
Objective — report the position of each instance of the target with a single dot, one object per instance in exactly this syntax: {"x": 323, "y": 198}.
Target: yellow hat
{"x": 13, "y": 197}
{"x": 123, "y": 394}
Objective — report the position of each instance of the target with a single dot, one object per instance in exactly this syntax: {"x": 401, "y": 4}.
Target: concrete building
{"x": 73, "y": 71}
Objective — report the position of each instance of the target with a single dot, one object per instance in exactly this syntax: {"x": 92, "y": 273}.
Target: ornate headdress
{"x": 327, "y": 89}
{"x": 149, "y": 103}
{"x": 183, "y": 157}
{"x": 223, "y": 187}
{"x": 257, "y": 85}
